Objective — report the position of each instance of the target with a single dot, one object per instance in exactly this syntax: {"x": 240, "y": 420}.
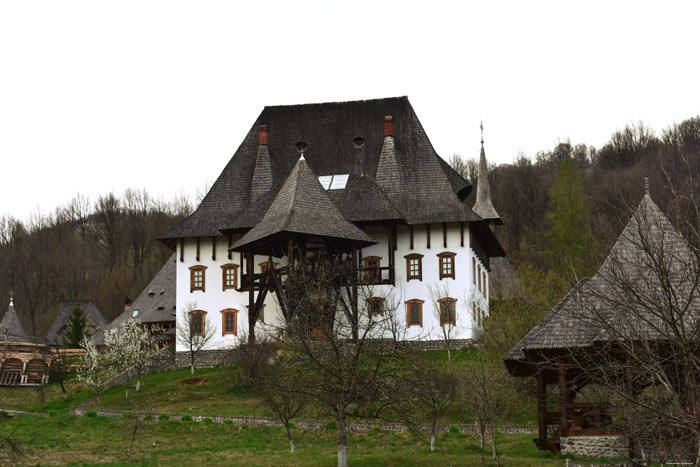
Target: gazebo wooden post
{"x": 563, "y": 398}
{"x": 541, "y": 406}
{"x": 251, "y": 299}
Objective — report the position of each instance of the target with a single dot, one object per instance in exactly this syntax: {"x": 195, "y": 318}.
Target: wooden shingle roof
{"x": 483, "y": 205}
{"x": 339, "y": 138}
{"x": 650, "y": 263}
{"x": 155, "y": 304}
{"x": 302, "y": 206}
{"x": 92, "y": 315}
{"x": 11, "y": 329}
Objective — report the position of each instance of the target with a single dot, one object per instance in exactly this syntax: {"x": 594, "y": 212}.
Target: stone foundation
{"x": 608, "y": 446}
{"x": 226, "y": 357}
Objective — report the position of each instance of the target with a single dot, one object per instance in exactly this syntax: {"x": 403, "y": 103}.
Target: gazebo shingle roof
{"x": 303, "y": 206}
{"x": 621, "y": 299}
{"x": 430, "y": 191}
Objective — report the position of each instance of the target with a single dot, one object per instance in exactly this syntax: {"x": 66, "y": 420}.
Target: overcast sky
{"x": 100, "y": 96}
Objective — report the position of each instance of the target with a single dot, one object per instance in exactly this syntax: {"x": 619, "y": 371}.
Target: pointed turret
{"x": 483, "y": 206}
{"x": 10, "y": 328}
{"x": 303, "y": 206}
{"x": 388, "y": 173}
{"x": 262, "y": 176}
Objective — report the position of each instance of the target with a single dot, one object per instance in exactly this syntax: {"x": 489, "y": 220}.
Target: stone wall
{"x": 225, "y": 357}
{"x": 609, "y": 446}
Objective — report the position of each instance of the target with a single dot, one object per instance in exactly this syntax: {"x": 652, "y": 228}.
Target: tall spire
{"x": 483, "y": 206}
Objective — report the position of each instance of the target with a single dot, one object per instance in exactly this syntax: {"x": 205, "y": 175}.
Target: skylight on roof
{"x": 339, "y": 181}
{"x": 334, "y": 182}
{"x": 326, "y": 181}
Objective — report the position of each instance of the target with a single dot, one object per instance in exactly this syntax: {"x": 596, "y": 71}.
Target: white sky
{"x": 100, "y": 96}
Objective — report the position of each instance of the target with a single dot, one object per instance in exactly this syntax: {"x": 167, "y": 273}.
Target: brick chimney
{"x": 388, "y": 125}
{"x": 262, "y": 134}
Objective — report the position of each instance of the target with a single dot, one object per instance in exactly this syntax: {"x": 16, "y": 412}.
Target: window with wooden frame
{"x": 447, "y": 264}
{"x": 229, "y": 321}
{"x": 376, "y": 305}
{"x": 197, "y": 278}
{"x": 448, "y": 310}
{"x": 414, "y": 312}
{"x": 197, "y": 320}
{"x": 372, "y": 273}
{"x": 474, "y": 270}
{"x": 414, "y": 266}
{"x": 229, "y": 276}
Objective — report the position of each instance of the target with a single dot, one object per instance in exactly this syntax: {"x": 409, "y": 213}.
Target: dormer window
{"x": 447, "y": 265}
{"x": 197, "y": 278}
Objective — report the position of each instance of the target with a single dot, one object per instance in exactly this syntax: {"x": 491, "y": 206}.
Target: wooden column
{"x": 542, "y": 406}
{"x": 461, "y": 233}
{"x": 563, "y": 397}
{"x": 444, "y": 234}
{"x": 390, "y": 237}
{"x": 229, "y": 248}
{"x": 410, "y": 235}
{"x": 182, "y": 250}
{"x": 197, "y": 257}
{"x": 427, "y": 232}
{"x": 213, "y": 248}
{"x": 353, "y": 299}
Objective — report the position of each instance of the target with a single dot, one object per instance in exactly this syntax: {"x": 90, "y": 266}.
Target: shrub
{"x": 186, "y": 418}
{"x": 52, "y": 413}
{"x": 228, "y": 421}
{"x": 207, "y": 420}
{"x": 375, "y": 429}
{"x": 164, "y": 416}
{"x": 331, "y": 425}
{"x": 91, "y": 413}
{"x": 128, "y": 414}
{"x": 454, "y": 429}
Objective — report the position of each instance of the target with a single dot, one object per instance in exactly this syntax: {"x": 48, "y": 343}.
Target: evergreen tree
{"x": 572, "y": 244}
{"x": 76, "y": 329}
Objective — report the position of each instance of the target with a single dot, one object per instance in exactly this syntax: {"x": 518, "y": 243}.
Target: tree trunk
{"x": 342, "y": 438}
{"x": 138, "y": 383}
{"x": 289, "y": 436}
{"x": 65, "y": 393}
{"x": 432, "y": 436}
{"x": 192, "y": 367}
{"x": 127, "y": 389}
{"x": 494, "y": 445}
{"x": 482, "y": 434}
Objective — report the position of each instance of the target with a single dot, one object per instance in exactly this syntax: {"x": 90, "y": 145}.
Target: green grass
{"x": 81, "y": 441}
{"x": 28, "y": 398}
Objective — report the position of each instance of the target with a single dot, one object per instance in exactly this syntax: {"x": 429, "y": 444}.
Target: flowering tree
{"x": 133, "y": 349}
{"x": 94, "y": 369}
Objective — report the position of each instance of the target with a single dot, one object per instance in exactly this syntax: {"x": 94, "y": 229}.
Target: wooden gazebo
{"x": 591, "y": 333}
{"x": 301, "y": 220}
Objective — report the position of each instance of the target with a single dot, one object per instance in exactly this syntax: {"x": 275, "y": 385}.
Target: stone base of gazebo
{"x": 597, "y": 446}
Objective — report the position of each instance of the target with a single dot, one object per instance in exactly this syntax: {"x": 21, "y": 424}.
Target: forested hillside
{"x": 104, "y": 251}
{"x": 562, "y": 209}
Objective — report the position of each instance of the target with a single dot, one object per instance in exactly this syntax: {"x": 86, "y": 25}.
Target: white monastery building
{"x": 356, "y": 179}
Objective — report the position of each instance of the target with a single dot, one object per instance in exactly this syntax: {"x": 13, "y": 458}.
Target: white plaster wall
{"x": 462, "y": 288}
{"x": 214, "y": 299}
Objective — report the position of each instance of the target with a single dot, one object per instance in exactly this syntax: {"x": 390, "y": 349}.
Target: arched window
{"x": 447, "y": 264}
{"x": 229, "y": 276}
{"x": 229, "y": 321}
{"x": 197, "y": 278}
{"x": 414, "y": 312}
{"x": 414, "y": 267}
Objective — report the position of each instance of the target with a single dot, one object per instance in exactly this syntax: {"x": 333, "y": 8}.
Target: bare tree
{"x": 445, "y": 312}
{"x": 194, "y": 331}
{"x": 429, "y": 392}
{"x": 335, "y": 348}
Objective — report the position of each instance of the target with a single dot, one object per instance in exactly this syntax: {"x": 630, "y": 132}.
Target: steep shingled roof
{"x": 303, "y": 206}
{"x": 92, "y": 315}
{"x": 155, "y": 304}
{"x": 428, "y": 192}
{"x": 11, "y": 329}
{"x": 649, "y": 259}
